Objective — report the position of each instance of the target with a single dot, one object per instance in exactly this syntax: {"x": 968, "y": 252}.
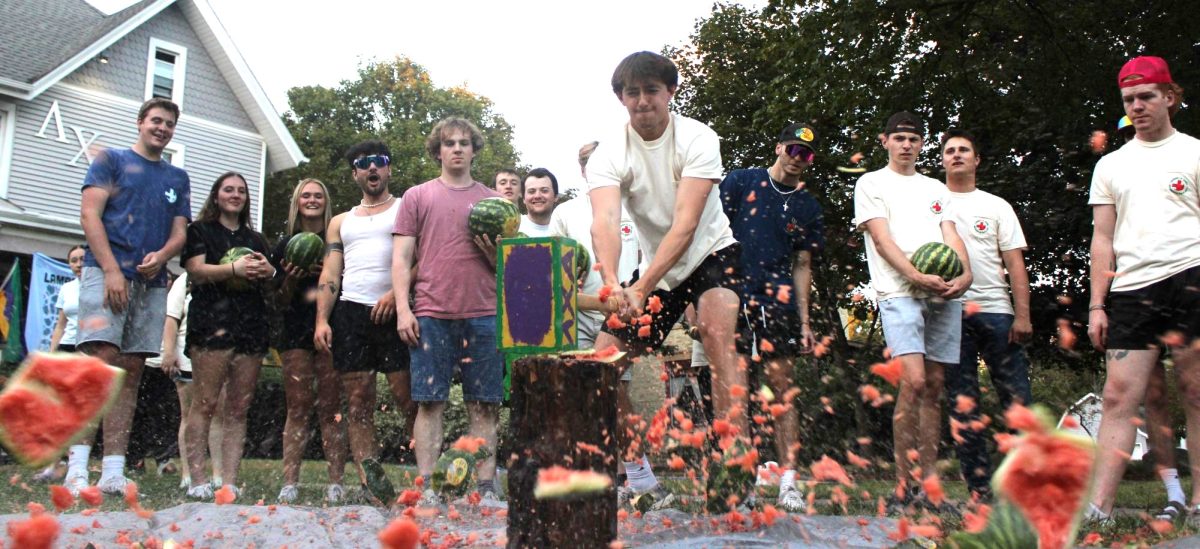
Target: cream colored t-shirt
{"x": 648, "y": 173}
{"x": 987, "y": 226}
{"x": 1153, "y": 186}
{"x": 914, "y": 206}
{"x": 573, "y": 219}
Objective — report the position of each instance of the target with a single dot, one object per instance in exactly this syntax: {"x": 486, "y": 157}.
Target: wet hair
{"x": 366, "y": 148}
{"x": 644, "y": 66}
{"x": 433, "y": 143}
{"x": 961, "y": 134}
{"x": 158, "y": 103}
{"x": 294, "y": 211}
{"x": 212, "y": 212}
{"x": 540, "y": 172}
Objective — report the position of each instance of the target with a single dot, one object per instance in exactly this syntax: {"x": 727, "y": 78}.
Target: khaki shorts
{"x": 136, "y": 330}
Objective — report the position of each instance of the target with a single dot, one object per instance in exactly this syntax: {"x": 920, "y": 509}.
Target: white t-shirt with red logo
{"x": 914, "y": 206}
{"x": 988, "y": 226}
{"x": 1153, "y": 186}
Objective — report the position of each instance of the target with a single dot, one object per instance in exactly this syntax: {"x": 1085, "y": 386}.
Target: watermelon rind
{"x": 233, "y": 254}
{"x": 1006, "y": 528}
{"x": 939, "y": 259}
{"x": 583, "y": 262}
{"x": 495, "y": 217}
{"x": 454, "y": 472}
{"x": 573, "y": 483}
{"x": 304, "y": 249}
{"x": 23, "y": 382}
{"x": 1006, "y": 467}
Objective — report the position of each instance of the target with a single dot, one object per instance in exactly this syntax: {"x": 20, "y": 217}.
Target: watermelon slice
{"x": 52, "y": 401}
{"x": 607, "y": 355}
{"x": 1047, "y": 475}
{"x": 559, "y": 482}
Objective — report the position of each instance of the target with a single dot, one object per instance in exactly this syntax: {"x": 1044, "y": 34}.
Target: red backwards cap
{"x": 1145, "y": 69}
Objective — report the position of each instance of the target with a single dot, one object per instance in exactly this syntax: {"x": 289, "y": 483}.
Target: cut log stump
{"x": 564, "y": 412}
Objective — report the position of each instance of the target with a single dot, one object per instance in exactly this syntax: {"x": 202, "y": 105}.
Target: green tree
{"x": 1031, "y": 79}
{"x": 393, "y": 101}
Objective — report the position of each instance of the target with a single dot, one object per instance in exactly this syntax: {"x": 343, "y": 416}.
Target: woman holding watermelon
{"x": 227, "y": 329}
{"x": 298, "y": 258}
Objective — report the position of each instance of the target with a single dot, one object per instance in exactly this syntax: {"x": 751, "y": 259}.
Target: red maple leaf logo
{"x": 981, "y": 226}
{"x": 936, "y": 207}
{"x": 1178, "y": 186}
{"x": 626, "y": 230}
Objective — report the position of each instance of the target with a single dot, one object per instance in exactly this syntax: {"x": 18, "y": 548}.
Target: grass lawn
{"x": 261, "y": 479}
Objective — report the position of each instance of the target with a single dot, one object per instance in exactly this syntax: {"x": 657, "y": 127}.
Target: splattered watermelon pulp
{"x": 1046, "y": 475}
{"x": 558, "y": 482}
{"x": 51, "y": 401}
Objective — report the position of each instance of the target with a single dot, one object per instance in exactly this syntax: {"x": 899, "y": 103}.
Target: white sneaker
{"x": 429, "y": 498}
{"x": 489, "y": 499}
{"x": 334, "y": 493}
{"x": 202, "y": 492}
{"x": 113, "y": 485}
{"x": 791, "y": 500}
{"x": 76, "y": 482}
{"x": 288, "y": 493}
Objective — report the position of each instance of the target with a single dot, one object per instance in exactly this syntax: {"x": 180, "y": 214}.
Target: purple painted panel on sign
{"x": 528, "y": 293}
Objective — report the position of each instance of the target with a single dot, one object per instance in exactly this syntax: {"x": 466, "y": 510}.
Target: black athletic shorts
{"x": 298, "y": 327}
{"x": 718, "y": 270}
{"x": 246, "y": 336}
{"x": 360, "y": 345}
{"x": 778, "y": 326}
{"x": 1138, "y": 318}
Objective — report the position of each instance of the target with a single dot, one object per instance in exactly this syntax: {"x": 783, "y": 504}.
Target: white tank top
{"x": 367, "y": 244}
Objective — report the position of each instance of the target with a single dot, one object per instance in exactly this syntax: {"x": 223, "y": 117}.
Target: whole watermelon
{"x": 937, "y": 259}
{"x": 495, "y": 217}
{"x": 236, "y": 283}
{"x": 304, "y": 249}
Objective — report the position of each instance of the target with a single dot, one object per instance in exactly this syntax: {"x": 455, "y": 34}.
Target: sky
{"x": 545, "y": 64}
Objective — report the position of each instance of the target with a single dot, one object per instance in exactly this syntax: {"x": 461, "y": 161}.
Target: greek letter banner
{"x": 48, "y": 276}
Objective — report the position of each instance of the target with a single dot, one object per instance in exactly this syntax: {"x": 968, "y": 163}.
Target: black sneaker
{"x": 378, "y": 486}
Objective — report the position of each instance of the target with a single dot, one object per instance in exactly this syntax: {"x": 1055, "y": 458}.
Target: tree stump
{"x": 564, "y": 412}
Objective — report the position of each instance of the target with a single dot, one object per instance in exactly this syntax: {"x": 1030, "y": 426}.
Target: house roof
{"x": 45, "y": 40}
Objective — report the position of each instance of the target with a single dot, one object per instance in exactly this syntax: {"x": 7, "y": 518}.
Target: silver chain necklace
{"x": 787, "y": 194}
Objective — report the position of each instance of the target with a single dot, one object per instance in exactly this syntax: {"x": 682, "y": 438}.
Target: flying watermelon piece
{"x": 560, "y": 482}
{"x": 52, "y": 401}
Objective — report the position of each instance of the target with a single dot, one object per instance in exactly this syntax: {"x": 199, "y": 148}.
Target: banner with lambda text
{"x": 47, "y": 277}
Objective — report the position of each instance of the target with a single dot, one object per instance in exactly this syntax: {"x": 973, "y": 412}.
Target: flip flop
{"x": 1172, "y": 512}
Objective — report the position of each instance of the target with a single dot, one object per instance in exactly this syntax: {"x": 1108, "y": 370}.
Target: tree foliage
{"x": 393, "y": 101}
{"x": 1032, "y": 79}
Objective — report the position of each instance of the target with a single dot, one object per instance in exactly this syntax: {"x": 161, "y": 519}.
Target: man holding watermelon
{"x": 771, "y": 208}
{"x": 134, "y": 211}
{"x": 665, "y": 168}
{"x": 1145, "y": 270}
{"x": 451, "y": 323}
{"x": 356, "y": 306}
{"x": 992, "y": 235}
{"x": 904, "y": 214}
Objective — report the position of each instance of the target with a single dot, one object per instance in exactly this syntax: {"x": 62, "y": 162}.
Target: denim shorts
{"x": 468, "y": 345}
{"x": 929, "y": 326}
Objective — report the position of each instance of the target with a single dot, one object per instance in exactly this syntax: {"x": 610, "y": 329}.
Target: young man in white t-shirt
{"x": 994, "y": 241}
{"x": 899, "y": 210}
{"x": 664, "y": 168}
{"x": 539, "y": 192}
{"x": 1145, "y": 269}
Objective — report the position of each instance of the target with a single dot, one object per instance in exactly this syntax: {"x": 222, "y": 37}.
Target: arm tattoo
{"x": 333, "y": 247}
{"x": 1118, "y": 354}
{"x": 333, "y": 289}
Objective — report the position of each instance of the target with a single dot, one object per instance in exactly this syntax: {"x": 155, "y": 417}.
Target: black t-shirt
{"x": 301, "y": 302}
{"x": 216, "y": 302}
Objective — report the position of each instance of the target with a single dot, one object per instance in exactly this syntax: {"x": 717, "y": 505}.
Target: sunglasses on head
{"x": 796, "y": 150}
{"x": 364, "y": 162}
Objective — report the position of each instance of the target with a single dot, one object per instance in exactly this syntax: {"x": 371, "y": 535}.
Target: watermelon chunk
{"x": 52, "y": 401}
{"x": 558, "y": 482}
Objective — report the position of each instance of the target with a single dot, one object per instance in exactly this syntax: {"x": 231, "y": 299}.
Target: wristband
{"x": 1100, "y": 307}
{"x": 233, "y": 270}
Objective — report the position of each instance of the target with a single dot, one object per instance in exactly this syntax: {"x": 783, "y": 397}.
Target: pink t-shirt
{"x": 454, "y": 280}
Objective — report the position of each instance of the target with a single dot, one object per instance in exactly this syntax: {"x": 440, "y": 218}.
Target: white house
{"x": 71, "y": 81}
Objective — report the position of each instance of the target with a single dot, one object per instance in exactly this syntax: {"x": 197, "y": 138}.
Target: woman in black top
{"x": 228, "y": 327}
{"x": 302, "y": 365}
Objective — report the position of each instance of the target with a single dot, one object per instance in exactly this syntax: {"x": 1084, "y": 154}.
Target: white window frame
{"x": 180, "y": 53}
{"x": 8, "y": 136}
{"x": 176, "y": 150}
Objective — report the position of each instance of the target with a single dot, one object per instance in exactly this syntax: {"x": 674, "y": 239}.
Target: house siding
{"x": 44, "y": 179}
{"x": 206, "y": 94}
